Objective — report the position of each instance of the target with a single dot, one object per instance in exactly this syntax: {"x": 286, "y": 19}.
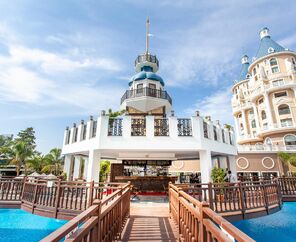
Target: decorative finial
{"x": 147, "y": 34}
{"x": 264, "y": 33}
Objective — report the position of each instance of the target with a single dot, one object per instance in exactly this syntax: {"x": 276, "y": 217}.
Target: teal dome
{"x": 146, "y": 73}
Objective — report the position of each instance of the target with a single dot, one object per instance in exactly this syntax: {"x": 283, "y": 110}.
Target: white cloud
{"x": 216, "y": 105}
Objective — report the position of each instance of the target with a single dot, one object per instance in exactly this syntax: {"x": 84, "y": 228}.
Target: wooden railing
{"x": 238, "y": 197}
{"x": 103, "y": 221}
{"x": 288, "y": 188}
{"x": 60, "y": 199}
{"x": 197, "y": 222}
{"x": 11, "y": 189}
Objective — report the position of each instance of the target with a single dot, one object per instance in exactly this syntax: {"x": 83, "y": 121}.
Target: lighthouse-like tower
{"x": 146, "y": 94}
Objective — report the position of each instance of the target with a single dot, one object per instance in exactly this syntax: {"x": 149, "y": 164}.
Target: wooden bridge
{"x": 103, "y": 212}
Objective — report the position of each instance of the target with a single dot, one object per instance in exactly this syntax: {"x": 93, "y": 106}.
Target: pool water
{"x": 18, "y": 225}
{"x": 280, "y": 226}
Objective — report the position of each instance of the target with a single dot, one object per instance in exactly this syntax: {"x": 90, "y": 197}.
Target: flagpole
{"x": 147, "y": 34}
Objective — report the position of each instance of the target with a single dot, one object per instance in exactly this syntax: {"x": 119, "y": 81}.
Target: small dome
{"x": 142, "y": 75}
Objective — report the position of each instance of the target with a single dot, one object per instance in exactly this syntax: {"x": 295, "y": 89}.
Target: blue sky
{"x": 61, "y": 61}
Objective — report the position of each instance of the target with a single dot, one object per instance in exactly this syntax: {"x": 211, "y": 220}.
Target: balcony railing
{"x": 147, "y": 57}
{"x": 184, "y": 127}
{"x": 146, "y": 92}
{"x": 138, "y": 127}
{"x": 161, "y": 127}
{"x": 115, "y": 127}
{"x": 263, "y": 147}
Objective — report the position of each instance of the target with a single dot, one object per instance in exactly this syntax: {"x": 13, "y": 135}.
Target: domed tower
{"x": 264, "y": 106}
{"x": 146, "y": 94}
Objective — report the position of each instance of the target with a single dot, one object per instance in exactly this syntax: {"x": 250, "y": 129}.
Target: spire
{"x": 147, "y": 34}
{"x": 267, "y": 45}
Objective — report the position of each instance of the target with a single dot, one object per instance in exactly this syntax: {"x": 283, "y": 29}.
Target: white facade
{"x": 102, "y": 144}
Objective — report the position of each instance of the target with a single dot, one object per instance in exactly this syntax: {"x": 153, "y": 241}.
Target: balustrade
{"x": 146, "y": 92}
{"x": 161, "y": 127}
{"x": 115, "y": 127}
{"x": 184, "y": 127}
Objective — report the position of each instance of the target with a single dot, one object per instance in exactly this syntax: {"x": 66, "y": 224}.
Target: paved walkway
{"x": 149, "y": 221}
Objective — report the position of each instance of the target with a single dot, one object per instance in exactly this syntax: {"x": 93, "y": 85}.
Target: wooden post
{"x": 265, "y": 198}
{"x": 91, "y": 191}
{"x": 210, "y": 186}
{"x": 202, "y": 230}
{"x": 242, "y": 199}
{"x": 279, "y": 192}
{"x": 170, "y": 210}
{"x": 23, "y": 188}
{"x": 58, "y": 197}
{"x": 35, "y": 195}
{"x": 179, "y": 205}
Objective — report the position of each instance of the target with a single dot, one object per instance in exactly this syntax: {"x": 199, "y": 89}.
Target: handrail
{"x": 102, "y": 221}
{"x": 60, "y": 233}
{"x": 197, "y": 222}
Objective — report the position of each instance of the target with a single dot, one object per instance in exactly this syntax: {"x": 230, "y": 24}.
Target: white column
{"x": 85, "y": 167}
{"x": 126, "y": 126}
{"x": 245, "y": 123}
{"x": 268, "y": 110}
{"x": 67, "y": 165}
{"x": 173, "y": 126}
{"x": 93, "y": 166}
{"x": 206, "y": 165}
{"x": 232, "y": 165}
{"x": 256, "y": 117}
{"x": 150, "y": 126}
{"x": 66, "y": 132}
{"x": 77, "y": 161}
{"x": 237, "y": 128}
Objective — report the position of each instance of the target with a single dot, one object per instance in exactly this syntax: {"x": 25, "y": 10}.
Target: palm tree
{"x": 54, "y": 162}
{"x": 21, "y": 153}
{"x": 37, "y": 162}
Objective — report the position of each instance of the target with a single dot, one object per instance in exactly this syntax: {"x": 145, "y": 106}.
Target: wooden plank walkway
{"x": 149, "y": 221}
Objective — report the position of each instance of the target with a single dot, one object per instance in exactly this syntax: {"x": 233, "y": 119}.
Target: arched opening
{"x": 290, "y": 141}
{"x": 263, "y": 115}
{"x": 284, "y": 109}
{"x": 268, "y": 143}
{"x": 274, "y": 65}
{"x": 253, "y": 123}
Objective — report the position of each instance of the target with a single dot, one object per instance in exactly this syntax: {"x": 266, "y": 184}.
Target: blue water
{"x": 18, "y": 225}
{"x": 280, "y": 226}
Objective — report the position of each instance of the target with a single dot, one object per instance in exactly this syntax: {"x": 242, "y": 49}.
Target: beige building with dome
{"x": 264, "y": 109}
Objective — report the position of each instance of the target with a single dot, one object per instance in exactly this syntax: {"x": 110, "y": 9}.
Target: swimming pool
{"x": 280, "y": 226}
{"x": 18, "y": 225}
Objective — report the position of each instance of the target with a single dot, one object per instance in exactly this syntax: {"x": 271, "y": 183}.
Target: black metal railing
{"x": 138, "y": 127}
{"x": 205, "y": 129}
{"x": 147, "y": 57}
{"x": 146, "y": 92}
{"x": 161, "y": 127}
{"x": 184, "y": 127}
{"x": 115, "y": 127}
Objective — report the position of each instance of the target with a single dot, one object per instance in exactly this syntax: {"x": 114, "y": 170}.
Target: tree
{"x": 112, "y": 114}
{"x": 54, "y": 162}
{"x": 28, "y": 136}
{"x": 21, "y": 152}
{"x": 288, "y": 158}
{"x": 218, "y": 175}
{"x": 104, "y": 169}
{"x": 37, "y": 162}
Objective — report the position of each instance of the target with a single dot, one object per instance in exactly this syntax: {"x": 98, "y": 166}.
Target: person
{"x": 230, "y": 177}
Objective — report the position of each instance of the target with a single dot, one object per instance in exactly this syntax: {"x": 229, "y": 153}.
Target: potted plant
{"x": 218, "y": 175}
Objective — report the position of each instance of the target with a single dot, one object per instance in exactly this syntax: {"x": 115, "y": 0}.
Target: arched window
{"x": 284, "y": 109}
{"x": 274, "y": 65}
{"x": 290, "y": 141}
{"x": 268, "y": 141}
{"x": 263, "y": 115}
{"x": 253, "y": 124}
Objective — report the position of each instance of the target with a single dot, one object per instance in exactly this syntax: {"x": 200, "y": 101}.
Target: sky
{"x": 61, "y": 61}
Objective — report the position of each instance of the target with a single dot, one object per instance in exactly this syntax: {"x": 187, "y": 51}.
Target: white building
{"x": 149, "y": 130}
